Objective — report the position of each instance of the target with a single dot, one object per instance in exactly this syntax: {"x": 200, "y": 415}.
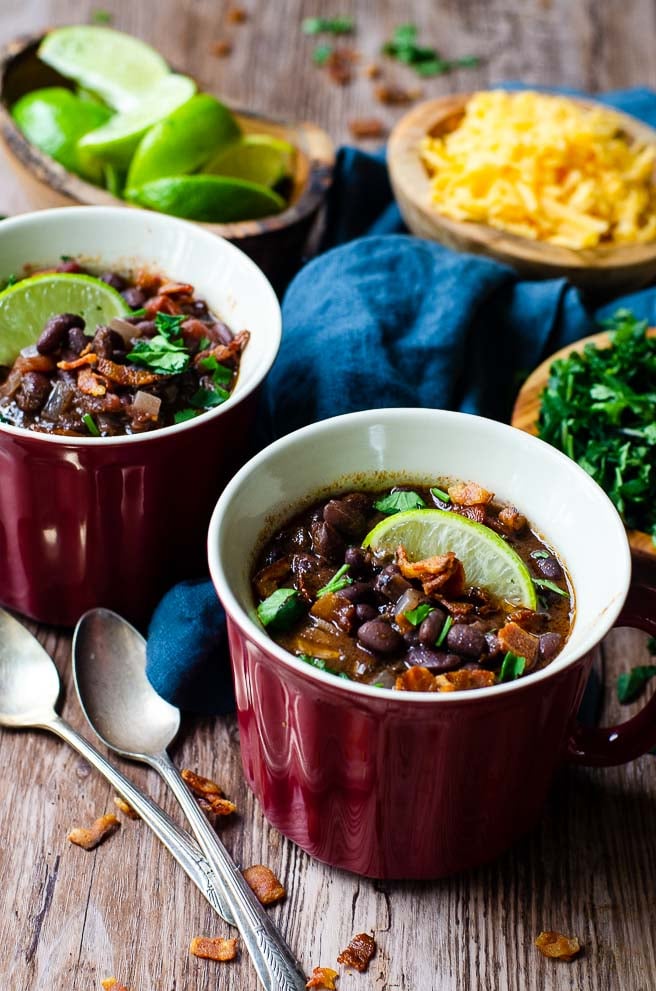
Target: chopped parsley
{"x": 339, "y": 580}
{"x": 185, "y": 414}
{"x": 448, "y": 623}
{"x": 512, "y": 667}
{"x": 161, "y": 355}
{"x": 220, "y": 374}
{"x": 440, "y": 494}
{"x": 328, "y": 25}
{"x": 318, "y": 662}
{"x": 426, "y": 61}
{"x": 631, "y": 684}
{"x": 209, "y": 398}
{"x": 101, "y": 17}
{"x": 281, "y": 609}
{"x": 418, "y": 615}
{"x": 321, "y": 54}
{"x": 598, "y": 407}
{"x": 550, "y": 586}
{"x": 91, "y": 425}
{"x": 399, "y": 502}
{"x": 169, "y": 325}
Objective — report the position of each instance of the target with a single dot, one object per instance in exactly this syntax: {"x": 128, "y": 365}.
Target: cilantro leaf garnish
{"x": 221, "y": 375}
{"x": 418, "y": 615}
{"x": 169, "y": 324}
{"x": 209, "y": 398}
{"x": 318, "y": 662}
{"x": 281, "y": 609}
{"x": 339, "y": 580}
{"x": 161, "y": 355}
{"x": 631, "y": 684}
{"x": 399, "y": 502}
{"x": 512, "y": 667}
{"x": 185, "y": 414}
{"x": 91, "y": 425}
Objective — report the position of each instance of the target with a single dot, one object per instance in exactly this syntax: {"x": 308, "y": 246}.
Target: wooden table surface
{"x": 70, "y": 918}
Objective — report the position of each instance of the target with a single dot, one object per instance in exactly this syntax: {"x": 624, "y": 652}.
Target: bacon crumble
{"x": 264, "y": 884}
{"x": 214, "y": 948}
{"x": 97, "y": 833}
{"x": 322, "y": 977}
{"x": 126, "y": 809}
{"x": 557, "y": 946}
{"x": 359, "y": 952}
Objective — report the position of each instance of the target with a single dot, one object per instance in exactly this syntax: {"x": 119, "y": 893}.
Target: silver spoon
{"x": 29, "y": 689}
{"x": 109, "y": 660}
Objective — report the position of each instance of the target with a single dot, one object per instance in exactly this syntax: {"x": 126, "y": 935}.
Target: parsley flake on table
{"x": 598, "y": 407}
{"x": 328, "y": 25}
{"x": 631, "y": 684}
{"x": 426, "y": 61}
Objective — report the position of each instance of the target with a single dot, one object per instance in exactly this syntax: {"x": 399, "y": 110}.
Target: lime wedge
{"x": 489, "y": 562}
{"x": 26, "y": 306}
{"x": 256, "y": 158}
{"x": 54, "y": 119}
{"x": 117, "y": 67}
{"x": 183, "y": 141}
{"x": 211, "y": 198}
{"x": 115, "y": 141}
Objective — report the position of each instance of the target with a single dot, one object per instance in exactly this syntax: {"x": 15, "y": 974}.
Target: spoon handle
{"x": 274, "y": 962}
{"x": 178, "y": 842}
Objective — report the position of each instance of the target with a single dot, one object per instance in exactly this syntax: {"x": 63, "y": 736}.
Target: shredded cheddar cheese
{"x": 546, "y": 168}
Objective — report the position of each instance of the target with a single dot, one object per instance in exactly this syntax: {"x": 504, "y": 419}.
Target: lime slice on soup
{"x": 489, "y": 562}
{"x": 116, "y": 141}
{"x": 26, "y": 306}
{"x": 256, "y": 158}
{"x": 183, "y": 141}
{"x": 116, "y": 66}
{"x": 54, "y": 119}
{"x": 211, "y": 198}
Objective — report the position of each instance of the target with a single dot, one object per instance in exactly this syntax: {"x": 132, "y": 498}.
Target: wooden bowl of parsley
{"x": 594, "y": 400}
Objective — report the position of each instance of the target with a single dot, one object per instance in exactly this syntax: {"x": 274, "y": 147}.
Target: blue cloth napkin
{"x": 381, "y": 318}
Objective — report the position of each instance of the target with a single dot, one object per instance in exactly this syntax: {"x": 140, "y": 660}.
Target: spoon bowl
{"x": 29, "y": 682}
{"x": 109, "y": 668}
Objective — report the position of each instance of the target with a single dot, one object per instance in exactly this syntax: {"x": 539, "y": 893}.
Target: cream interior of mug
{"x": 128, "y": 240}
{"x": 561, "y": 502}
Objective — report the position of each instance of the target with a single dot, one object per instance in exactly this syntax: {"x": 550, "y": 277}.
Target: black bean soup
{"x": 411, "y": 625}
{"x": 168, "y": 361}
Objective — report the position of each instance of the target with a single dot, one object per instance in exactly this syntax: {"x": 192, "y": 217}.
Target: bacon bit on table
{"x": 367, "y": 127}
{"x": 214, "y": 948}
{"x": 90, "y": 383}
{"x": 221, "y": 48}
{"x": 339, "y": 65}
{"x": 512, "y": 637}
{"x": 111, "y": 984}
{"x": 264, "y": 884}
{"x": 557, "y": 946}
{"x": 443, "y": 571}
{"x": 322, "y": 977}
{"x": 456, "y": 681}
{"x": 372, "y": 71}
{"x": 101, "y": 830}
{"x": 85, "y": 359}
{"x": 126, "y": 809}
{"x": 469, "y": 494}
{"x": 393, "y": 95}
{"x": 210, "y": 796}
{"x": 236, "y": 15}
{"x": 359, "y": 952}
{"x": 123, "y": 375}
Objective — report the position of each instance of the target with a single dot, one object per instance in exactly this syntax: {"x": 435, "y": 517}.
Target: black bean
{"x": 357, "y": 592}
{"x": 106, "y": 341}
{"x": 358, "y": 560}
{"x": 221, "y": 332}
{"x": 344, "y": 517}
{"x": 411, "y": 637}
{"x": 379, "y": 636}
{"x": 55, "y": 331}
{"x": 327, "y": 542}
{"x": 358, "y": 500}
{"x": 364, "y": 612}
{"x": 548, "y": 567}
{"x": 114, "y": 280}
{"x": 146, "y": 328}
{"x": 434, "y": 660}
{"x": 76, "y": 340}
{"x": 466, "y": 640}
{"x": 550, "y": 644}
{"x": 33, "y": 392}
{"x": 391, "y": 583}
{"x": 431, "y": 627}
{"x": 134, "y": 297}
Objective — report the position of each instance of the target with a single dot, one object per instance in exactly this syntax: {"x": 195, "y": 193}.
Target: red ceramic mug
{"x": 405, "y": 785}
{"x": 114, "y": 521}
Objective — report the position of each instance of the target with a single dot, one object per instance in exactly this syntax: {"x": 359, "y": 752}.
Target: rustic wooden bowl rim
{"x": 424, "y": 118}
{"x": 527, "y": 408}
{"x": 69, "y": 184}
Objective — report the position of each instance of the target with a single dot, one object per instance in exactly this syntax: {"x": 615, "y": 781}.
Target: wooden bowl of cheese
{"x": 554, "y": 186}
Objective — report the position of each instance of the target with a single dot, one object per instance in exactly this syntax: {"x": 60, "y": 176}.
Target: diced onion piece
{"x": 407, "y": 602}
{"x": 56, "y": 402}
{"x": 30, "y": 351}
{"x": 146, "y": 404}
{"x": 125, "y": 329}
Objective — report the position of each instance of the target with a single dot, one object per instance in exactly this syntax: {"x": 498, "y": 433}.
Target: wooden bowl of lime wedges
{"x": 89, "y": 115}
{"x": 593, "y": 400}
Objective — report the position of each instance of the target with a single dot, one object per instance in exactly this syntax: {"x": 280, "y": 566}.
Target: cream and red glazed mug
{"x": 405, "y": 785}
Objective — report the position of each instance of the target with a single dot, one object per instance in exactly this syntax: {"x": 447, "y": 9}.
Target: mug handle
{"x": 607, "y": 746}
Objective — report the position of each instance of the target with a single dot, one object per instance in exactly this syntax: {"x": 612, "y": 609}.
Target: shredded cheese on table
{"x": 546, "y": 168}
